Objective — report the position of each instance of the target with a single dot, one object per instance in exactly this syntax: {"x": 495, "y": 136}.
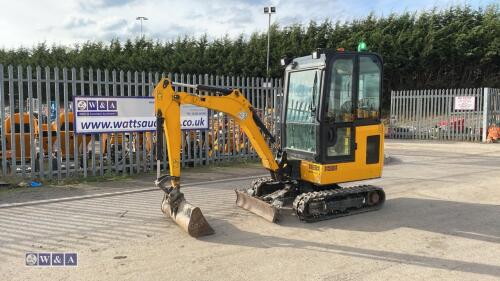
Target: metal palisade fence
{"x": 444, "y": 114}
{"x": 37, "y": 139}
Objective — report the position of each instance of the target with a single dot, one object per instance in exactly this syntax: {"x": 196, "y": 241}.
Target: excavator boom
{"x": 229, "y": 101}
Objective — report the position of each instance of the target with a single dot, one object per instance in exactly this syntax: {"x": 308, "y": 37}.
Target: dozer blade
{"x": 189, "y": 218}
{"x": 256, "y": 206}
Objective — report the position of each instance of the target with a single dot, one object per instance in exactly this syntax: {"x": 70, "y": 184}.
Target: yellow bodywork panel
{"x": 168, "y": 102}
{"x": 322, "y": 174}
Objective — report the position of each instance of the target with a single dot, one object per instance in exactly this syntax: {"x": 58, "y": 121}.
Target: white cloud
{"x": 28, "y": 22}
{"x": 77, "y": 22}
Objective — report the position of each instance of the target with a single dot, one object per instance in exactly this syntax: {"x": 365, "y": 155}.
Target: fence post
{"x": 84, "y": 137}
{"x": 13, "y": 144}
{"x": 66, "y": 120}
{"x": 143, "y": 93}
{"x": 485, "y": 113}
{"x": 3, "y": 141}
{"x": 101, "y": 136}
{"x": 20, "y": 90}
{"x": 50, "y": 166}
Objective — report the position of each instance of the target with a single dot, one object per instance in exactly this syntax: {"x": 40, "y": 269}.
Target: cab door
{"x": 338, "y": 108}
{"x": 301, "y": 102}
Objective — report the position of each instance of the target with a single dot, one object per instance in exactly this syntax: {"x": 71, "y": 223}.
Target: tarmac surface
{"x": 441, "y": 221}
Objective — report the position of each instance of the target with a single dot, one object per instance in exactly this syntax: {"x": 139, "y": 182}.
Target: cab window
{"x": 339, "y": 107}
{"x": 342, "y": 147}
{"x": 302, "y": 96}
{"x": 369, "y": 88}
{"x": 303, "y": 89}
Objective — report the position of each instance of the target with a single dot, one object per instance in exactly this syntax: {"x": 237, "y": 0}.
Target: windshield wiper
{"x": 312, "y": 106}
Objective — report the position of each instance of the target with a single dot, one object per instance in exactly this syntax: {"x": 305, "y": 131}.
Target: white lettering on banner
{"x": 128, "y": 114}
{"x": 465, "y": 103}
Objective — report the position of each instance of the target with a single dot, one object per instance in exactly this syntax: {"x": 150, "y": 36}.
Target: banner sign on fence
{"x": 128, "y": 114}
{"x": 114, "y": 114}
{"x": 465, "y": 103}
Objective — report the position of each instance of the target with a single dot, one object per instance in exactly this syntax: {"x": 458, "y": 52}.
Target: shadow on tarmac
{"x": 465, "y": 220}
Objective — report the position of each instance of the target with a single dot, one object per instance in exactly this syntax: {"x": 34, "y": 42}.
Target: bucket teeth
{"x": 189, "y": 218}
{"x": 256, "y": 206}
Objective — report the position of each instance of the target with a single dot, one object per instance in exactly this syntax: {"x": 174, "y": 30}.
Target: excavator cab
{"x": 332, "y": 116}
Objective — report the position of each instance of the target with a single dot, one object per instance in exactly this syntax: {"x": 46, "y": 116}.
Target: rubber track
{"x": 301, "y": 202}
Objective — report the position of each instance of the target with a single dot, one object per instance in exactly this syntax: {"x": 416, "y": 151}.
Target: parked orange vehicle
{"x": 493, "y": 133}
{"x": 231, "y": 138}
{"x": 70, "y": 148}
{"x": 18, "y": 136}
{"x": 120, "y": 142}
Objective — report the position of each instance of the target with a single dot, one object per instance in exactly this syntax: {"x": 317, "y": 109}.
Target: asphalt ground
{"x": 441, "y": 220}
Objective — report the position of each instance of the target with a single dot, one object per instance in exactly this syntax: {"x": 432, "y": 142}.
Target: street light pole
{"x": 268, "y": 43}
{"x": 141, "y": 19}
{"x": 269, "y": 11}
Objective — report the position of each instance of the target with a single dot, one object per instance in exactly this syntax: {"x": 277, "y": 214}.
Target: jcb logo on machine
{"x": 330, "y": 168}
{"x": 242, "y": 115}
{"x": 313, "y": 167}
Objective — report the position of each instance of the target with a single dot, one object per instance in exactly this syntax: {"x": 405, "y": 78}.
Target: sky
{"x": 28, "y": 22}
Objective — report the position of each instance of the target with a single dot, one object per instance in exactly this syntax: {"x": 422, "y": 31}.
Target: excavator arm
{"x": 167, "y": 108}
{"x": 229, "y": 101}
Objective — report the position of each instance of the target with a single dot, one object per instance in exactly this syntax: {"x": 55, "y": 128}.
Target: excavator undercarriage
{"x": 266, "y": 197}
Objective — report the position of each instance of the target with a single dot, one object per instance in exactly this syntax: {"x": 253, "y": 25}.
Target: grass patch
{"x": 89, "y": 179}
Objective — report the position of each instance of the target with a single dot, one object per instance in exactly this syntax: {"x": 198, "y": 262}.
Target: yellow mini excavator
{"x": 331, "y": 133}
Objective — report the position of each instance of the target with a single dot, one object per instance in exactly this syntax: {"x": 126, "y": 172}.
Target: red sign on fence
{"x": 465, "y": 103}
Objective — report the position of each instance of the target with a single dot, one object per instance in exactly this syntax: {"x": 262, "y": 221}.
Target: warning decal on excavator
{"x": 331, "y": 168}
{"x": 313, "y": 167}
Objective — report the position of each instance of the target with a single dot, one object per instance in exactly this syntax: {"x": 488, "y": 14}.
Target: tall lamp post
{"x": 141, "y": 19}
{"x": 269, "y": 10}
